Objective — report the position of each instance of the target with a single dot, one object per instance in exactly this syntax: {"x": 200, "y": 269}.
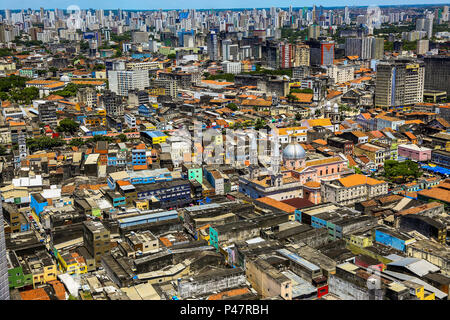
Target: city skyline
{"x": 203, "y": 4}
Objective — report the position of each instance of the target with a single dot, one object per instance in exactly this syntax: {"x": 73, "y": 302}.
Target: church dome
{"x": 293, "y": 151}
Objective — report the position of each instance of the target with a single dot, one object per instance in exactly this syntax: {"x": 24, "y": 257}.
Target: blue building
{"x": 392, "y": 239}
{"x": 138, "y": 157}
{"x": 169, "y": 193}
{"x": 37, "y": 203}
{"x": 146, "y": 111}
{"x": 148, "y": 218}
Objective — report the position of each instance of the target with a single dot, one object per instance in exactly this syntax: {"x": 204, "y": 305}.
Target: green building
{"x": 19, "y": 276}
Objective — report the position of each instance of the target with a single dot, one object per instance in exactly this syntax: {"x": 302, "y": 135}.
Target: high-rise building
{"x": 326, "y": 53}
{"x": 96, "y": 239}
{"x": 286, "y": 55}
{"x": 113, "y": 103}
{"x": 423, "y": 46}
{"x": 301, "y": 55}
{"x": 212, "y": 46}
{"x": 47, "y": 113}
{"x": 437, "y": 73}
{"x": 400, "y": 82}
{"x": 313, "y": 32}
{"x": 365, "y": 48}
{"x": 121, "y": 82}
{"x": 87, "y": 96}
{"x": 4, "y": 282}
{"x": 425, "y": 25}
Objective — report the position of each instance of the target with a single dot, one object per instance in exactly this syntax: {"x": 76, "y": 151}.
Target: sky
{"x": 197, "y": 4}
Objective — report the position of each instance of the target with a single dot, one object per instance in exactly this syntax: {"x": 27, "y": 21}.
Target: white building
{"x": 120, "y": 82}
{"x": 341, "y": 74}
{"x": 232, "y": 67}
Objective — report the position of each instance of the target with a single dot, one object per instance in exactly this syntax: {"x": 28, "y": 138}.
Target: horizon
{"x": 327, "y": 4}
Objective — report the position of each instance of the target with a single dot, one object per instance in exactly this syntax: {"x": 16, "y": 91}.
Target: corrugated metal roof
{"x": 419, "y": 267}
{"x": 439, "y": 294}
{"x": 294, "y": 257}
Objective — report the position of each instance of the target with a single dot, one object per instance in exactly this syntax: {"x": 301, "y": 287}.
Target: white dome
{"x": 293, "y": 151}
{"x": 64, "y": 78}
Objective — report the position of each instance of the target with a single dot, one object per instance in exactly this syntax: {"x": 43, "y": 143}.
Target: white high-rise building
{"x": 4, "y": 282}
{"x": 120, "y": 82}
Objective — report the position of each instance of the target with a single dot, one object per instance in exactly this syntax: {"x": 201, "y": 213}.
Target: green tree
{"x": 232, "y": 106}
{"x": 260, "y": 123}
{"x": 43, "y": 143}
{"x": 172, "y": 56}
{"x": 2, "y": 150}
{"x": 403, "y": 170}
{"x": 68, "y": 125}
{"x": 77, "y": 142}
{"x": 122, "y": 137}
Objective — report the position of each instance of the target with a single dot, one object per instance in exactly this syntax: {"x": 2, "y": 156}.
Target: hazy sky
{"x": 198, "y": 4}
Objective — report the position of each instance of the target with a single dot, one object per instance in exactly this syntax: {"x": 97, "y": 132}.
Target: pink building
{"x": 414, "y": 152}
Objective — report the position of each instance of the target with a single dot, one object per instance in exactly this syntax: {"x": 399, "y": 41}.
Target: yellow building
{"x": 142, "y": 204}
{"x": 72, "y": 263}
{"x": 360, "y": 241}
{"x": 418, "y": 291}
{"x": 157, "y": 91}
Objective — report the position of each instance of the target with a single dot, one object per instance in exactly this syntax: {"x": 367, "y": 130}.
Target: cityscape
{"x": 279, "y": 153}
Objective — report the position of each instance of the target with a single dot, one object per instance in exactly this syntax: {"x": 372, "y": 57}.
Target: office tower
{"x": 120, "y": 82}
{"x": 112, "y": 103}
{"x": 313, "y": 32}
{"x": 4, "y": 282}
{"x": 400, "y": 82}
{"x": 365, "y": 48}
{"x": 437, "y": 73}
{"x": 212, "y": 46}
{"x": 326, "y": 52}
{"x": 301, "y": 55}
{"x": 96, "y": 239}
{"x": 423, "y": 46}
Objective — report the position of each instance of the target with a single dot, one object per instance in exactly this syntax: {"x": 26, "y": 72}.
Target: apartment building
{"x": 398, "y": 83}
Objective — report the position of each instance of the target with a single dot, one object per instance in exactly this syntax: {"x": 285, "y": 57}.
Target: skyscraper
{"x": 326, "y": 53}
{"x": 400, "y": 82}
{"x": 213, "y": 50}
{"x": 4, "y": 283}
{"x": 437, "y": 73}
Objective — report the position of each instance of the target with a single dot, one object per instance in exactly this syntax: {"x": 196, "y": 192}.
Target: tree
{"x": 172, "y": 56}
{"x": 260, "y": 123}
{"x": 232, "y": 106}
{"x": 43, "y": 143}
{"x": 122, "y": 137}
{"x": 77, "y": 142}
{"x": 401, "y": 170}
{"x": 2, "y": 150}
{"x": 68, "y": 125}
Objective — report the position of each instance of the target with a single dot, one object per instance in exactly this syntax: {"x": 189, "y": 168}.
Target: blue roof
{"x": 294, "y": 257}
{"x": 437, "y": 169}
{"x": 149, "y": 216}
{"x": 154, "y": 134}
